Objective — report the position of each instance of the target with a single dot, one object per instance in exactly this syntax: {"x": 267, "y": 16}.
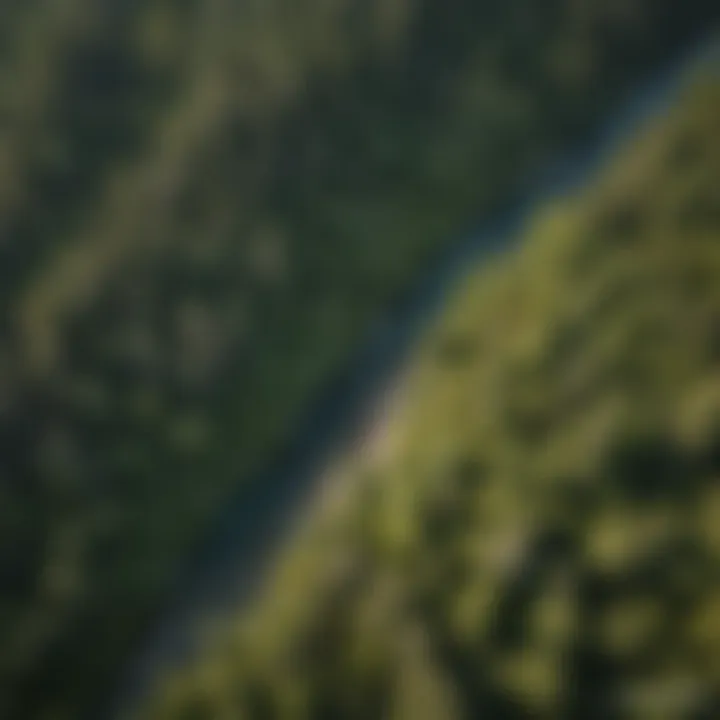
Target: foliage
{"x": 543, "y": 540}
{"x": 204, "y": 206}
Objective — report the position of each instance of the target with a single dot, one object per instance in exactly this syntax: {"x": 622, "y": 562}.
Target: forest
{"x": 542, "y": 540}
{"x": 206, "y": 206}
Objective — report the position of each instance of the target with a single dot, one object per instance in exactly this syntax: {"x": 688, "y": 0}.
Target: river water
{"x": 231, "y": 567}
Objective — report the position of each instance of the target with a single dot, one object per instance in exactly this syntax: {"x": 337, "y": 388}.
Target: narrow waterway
{"x": 233, "y": 564}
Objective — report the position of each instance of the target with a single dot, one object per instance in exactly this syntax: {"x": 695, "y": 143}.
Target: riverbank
{"x": 234, "y": 565}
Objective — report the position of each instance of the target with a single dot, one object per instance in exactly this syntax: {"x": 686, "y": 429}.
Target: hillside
{"x": 205, "y": 205}
{"x": 541, "y": 540}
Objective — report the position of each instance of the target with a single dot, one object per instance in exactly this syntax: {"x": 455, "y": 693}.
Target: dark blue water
{"x": 234, "y": 562}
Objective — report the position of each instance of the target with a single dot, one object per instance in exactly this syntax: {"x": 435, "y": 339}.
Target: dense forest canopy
{"x": 205, "y": 205}
{"x": 541, "y": 540}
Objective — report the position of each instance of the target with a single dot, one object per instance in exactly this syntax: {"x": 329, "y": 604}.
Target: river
{"x": 231, "y": 567}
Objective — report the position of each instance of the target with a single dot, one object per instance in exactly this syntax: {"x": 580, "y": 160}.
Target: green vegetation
{"x": 204, "y": 205}
{"x": 543, "y": 538}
